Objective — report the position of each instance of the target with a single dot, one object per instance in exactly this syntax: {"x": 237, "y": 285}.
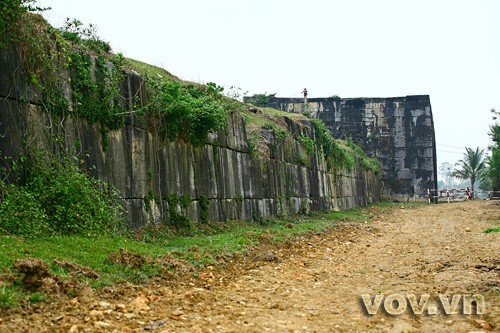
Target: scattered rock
{"x": 101, "y": 324}
{"x": 104, "y": 305}
{"x": 207, "y": 276}
{"x": 267, "y": 256}
{"x": 169, "y": 262}
{"x": 129, "y": 315}
{"x": 73, "y": 329}
{"x": 402, "y": 327}
{"x": 86, "y": 295}
{"x": 483, "y": 324}
{"x": 178, "y": 312}
{"x": 57, "y": 318}
{"x": 140, "y": 303}
{"x": 154, "y": 325}
{"x": 251, "y": 288}
{"x": 120, "y": 307}
{"x": 96, "y": 314}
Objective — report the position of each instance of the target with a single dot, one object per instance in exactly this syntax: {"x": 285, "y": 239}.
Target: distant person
{"x": 468, "y": 193}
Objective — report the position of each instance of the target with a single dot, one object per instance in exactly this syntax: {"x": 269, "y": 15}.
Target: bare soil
{"x": 309, "y": 284}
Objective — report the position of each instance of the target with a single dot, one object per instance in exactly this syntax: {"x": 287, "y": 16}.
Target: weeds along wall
{"x": 229, "y": 178}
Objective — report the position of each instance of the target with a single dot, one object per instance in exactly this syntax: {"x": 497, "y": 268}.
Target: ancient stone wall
{"x": 399, "y": 131}
{"x": 147, "y": 171}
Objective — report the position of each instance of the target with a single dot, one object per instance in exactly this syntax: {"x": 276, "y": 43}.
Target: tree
{"x": 445, "y": 171}
{"x": 471, "y": 167}
{"x": 494, "y": 159}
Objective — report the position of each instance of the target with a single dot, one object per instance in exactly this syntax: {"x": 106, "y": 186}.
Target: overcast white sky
{"x": 448, "y": 49}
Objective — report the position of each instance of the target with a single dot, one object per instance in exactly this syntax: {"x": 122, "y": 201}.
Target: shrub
{"x": 189, "y": 112}
{"x": 179, "y": 219}
{"x": 75, "y": 202}
{"x": 99, "y": 99}
{"x": 10, "y": 12}
{"x": 307, "y": 143}
{"x": 261, "y": 99}
{"x": 21, "y": 213}
{"x": 334, "y": 155}
{"x": 204, "y": 203}
{"x": 75, "y": 31}
{"x": 58, "y": 199}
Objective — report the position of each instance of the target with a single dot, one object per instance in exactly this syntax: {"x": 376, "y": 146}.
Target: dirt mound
{"x": 35, "y": 272}
{"x": 75, "y": 268}
{"x": 126, "y": 258}
{"x": 169, "y": 263}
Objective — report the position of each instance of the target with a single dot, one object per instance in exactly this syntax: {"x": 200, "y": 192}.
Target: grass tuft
{"x": 492, "y": 230}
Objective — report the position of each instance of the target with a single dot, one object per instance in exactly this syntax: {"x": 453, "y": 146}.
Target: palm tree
{"x": 471, "y": 167}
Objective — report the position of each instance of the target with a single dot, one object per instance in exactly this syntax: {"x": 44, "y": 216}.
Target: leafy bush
{"x": 334, "y": 155}
{"x": 21, "y": 213}
{"x": 279, "y": 132}
{"x": 189, "y": 112}
{"x": 204, "y": 203}
{"x": 324, "y": 140}
{"x": 58, "y": 199}
{"x": 261, "y": 99}
{"x": 10, "y": 12}
{"x": 372, "y": 164}
{"x": 75, "y": 202}
{"x": 75, "y": 31}
{"x": 307, "y": 143}
{"x": 179, "y": 219}
{"x": 99, "y": 99}
{"x": 342, "y": 157}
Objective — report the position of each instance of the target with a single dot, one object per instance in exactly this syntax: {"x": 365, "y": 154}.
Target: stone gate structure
{"x": 399, "y": 131}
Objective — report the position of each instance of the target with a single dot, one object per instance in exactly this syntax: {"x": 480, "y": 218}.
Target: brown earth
{"x": 309, "y": 284}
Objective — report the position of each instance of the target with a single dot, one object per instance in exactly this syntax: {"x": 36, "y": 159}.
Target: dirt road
{"x": 313, "y": 284}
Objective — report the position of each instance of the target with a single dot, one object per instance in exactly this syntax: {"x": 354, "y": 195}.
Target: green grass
{"x": 368, "y": 163}
{"x": 200, "y": 248}
{"x": 279, "y": 113}
{"x": 148, "y": 70}
{"x": 492, "y": 230}
{"x": 10, "y": 296}
{"x": 257, "y": 120}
